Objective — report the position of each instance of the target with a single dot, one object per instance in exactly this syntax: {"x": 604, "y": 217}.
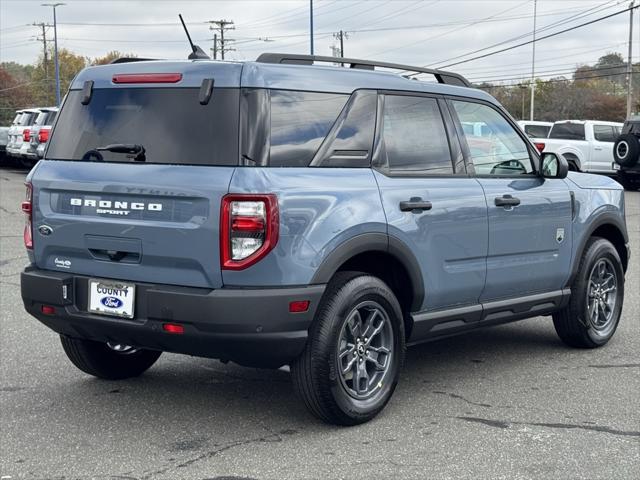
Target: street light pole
{"x": 55, "y": 47}
{"x": 630, "y": 63}
{"x": 311, "y": 26}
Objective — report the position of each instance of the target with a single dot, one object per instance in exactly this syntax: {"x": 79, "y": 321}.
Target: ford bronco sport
{"x": 280, "y": 212}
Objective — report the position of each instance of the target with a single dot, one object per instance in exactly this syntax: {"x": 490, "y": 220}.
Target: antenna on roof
{"x": 196, "y": 51}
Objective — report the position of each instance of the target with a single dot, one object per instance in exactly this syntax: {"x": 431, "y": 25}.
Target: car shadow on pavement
{"x": 197, "y": 394}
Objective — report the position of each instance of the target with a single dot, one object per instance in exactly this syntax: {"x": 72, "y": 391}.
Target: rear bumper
{"x": 248, "y": 326}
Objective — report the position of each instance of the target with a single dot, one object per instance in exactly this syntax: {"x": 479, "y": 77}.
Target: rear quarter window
{"x": 299, "y": 123}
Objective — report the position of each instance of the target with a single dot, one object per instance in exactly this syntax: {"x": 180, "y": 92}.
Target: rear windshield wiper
{"x": 137, "y": 152}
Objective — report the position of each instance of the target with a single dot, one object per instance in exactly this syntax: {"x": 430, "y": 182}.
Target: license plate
{"x": 615, "y": 166}
{"x": 108, "y": 297}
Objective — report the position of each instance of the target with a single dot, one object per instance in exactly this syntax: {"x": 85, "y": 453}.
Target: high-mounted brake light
{"x": 26, "y": 134}
{"x": 540, "y": 146}
{"x": 27, "y": 208}
{"x": 249, "y": 226}
{"x": 43, "y": 134}
{"x": 146, "y": 78}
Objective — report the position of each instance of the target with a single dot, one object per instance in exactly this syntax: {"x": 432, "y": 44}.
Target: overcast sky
{"x": 417, "y": 32}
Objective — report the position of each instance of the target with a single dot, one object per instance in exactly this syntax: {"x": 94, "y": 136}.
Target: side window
{"x": 494, "y": 145}
{"x": 414, "y": 136}
{"x": 299, "y": 123}
{"x": 604, "y": 133}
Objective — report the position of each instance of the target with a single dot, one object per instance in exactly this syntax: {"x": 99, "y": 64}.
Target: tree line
{"x": 595, "y": 91}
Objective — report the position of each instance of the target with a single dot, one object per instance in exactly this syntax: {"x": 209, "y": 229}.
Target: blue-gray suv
{"x": 280, "y": 212}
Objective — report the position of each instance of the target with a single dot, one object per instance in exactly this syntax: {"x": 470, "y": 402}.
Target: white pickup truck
{"x": 586, "y": 144}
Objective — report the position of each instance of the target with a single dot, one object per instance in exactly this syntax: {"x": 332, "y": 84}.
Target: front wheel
{"x": 593, "y": 313}
{"x": 106, "y": 360}
{"x": 351, "y": 364}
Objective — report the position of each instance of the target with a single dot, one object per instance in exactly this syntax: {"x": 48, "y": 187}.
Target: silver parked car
{"x": 33, "y": 150}
{"x": 20, "y": 130}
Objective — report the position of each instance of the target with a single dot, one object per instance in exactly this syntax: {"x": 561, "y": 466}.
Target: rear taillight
{"x": 540, "y": 146}
{"x": 27, "y": 208}
{"x": 43, "y": 135}
{"x": 26, "y": 135}
{"x": 249, "y": 226}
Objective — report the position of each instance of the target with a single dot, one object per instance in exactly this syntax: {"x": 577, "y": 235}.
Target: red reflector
{"x": 540, "y": 146}
{"x": 147, "y": 78}
{"x": 172, "y": 328}
{"x": 247, "y": 224}
{"x": 26, "y": 207}
{"x": 299, "y": 306}
{"x": 48, "y": 309}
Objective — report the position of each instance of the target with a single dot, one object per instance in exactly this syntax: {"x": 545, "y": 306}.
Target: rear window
{"x": 16, "y": 120}
{"x": 26, "y": 118}
{"x": 42, "y": 117}
{"x": 567, "y": 131}
{"x": 51, "y": 118}
{"x": 170, "y": 123}
{"x": 537, "y": 131}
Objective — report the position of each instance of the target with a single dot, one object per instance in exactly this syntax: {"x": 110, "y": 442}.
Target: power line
{"x": 554, "y": 80}
{"x": 544, "y": 37}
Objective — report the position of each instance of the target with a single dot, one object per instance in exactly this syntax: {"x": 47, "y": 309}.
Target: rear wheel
{"x": 107, "y": 360}
{"x": 593, "y": 313}
{"x": 354, "y": 353}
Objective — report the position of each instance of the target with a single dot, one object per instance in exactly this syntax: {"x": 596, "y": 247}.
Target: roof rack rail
{"x": 131, "y": 59}
{"x": 441, "y": 76}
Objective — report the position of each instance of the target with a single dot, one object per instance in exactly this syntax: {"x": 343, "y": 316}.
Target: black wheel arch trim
{"x": 606, "y": 218}
{"x": 374, "y": 242}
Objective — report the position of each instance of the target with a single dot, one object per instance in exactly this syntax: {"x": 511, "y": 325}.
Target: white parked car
{"x": 586, "y": 144}
{"x": 22, "y": 123}
{"x": 535, "y": 129}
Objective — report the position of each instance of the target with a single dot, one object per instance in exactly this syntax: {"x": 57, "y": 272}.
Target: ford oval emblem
{"x": 111, "y": 302}
{"x": 45, "y": 230}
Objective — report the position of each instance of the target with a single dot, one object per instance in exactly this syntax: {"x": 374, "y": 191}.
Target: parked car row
{"x": 28, "y": 134}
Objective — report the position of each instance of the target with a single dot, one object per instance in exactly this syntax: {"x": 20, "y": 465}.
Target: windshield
{"x": 169, "y": 123}
{"x": 567, "y": 131}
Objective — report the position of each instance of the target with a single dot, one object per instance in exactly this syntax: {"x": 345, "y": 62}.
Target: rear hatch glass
{"x": 169, "y": 123}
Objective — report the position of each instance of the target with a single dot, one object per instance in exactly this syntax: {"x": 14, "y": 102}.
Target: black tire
{"x": 575, "y": 324}
{"x": 99, "y": 360}
{"x": 629, "y": 181}
{"x": 626, "y": 150}
{"x": 316, "y": 375}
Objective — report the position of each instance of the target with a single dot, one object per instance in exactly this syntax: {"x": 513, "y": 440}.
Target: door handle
{"x": 597, "y": 148}
{"x": 415, "y": 205}
{"x": 507, "y": 201}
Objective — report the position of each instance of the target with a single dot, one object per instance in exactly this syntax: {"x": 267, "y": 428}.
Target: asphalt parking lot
{"x": 507, "y": 402}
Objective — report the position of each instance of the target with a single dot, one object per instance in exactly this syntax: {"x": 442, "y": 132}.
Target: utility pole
{"x": 630, "y": 62}
{"x": 222, "y": 26}
{"x": 214, "y": 50}
{"x": 533, "y": 59}
{"x": 311, "y": 26}
{"x": 55, "y": 46}
{"x": 341, "y": 35}
{"x": 45, "y": 53}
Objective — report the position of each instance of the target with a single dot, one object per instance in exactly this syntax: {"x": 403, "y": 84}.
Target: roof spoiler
{"x": 131, "y": 59}
{"x": 441, "y": 76}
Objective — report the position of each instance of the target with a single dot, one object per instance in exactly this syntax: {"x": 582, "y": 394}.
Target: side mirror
{"x": 554, "y": 166}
